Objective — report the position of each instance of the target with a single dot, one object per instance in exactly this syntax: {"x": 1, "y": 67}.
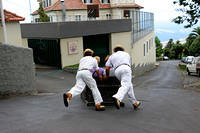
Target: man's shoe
{"x": 99, "y": 107}
{"x": 122, "y": 104}
{"x": 66, "y": 98}
{"x": 136, "y": 105}
{"x": 116, "y": 103}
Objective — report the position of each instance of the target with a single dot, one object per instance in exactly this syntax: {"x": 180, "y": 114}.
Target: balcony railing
{"x": 142, "y": 24}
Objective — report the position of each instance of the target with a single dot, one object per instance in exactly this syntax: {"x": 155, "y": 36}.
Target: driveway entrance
{"x": 98, "y": 43}
{"x": 46, "y": 51}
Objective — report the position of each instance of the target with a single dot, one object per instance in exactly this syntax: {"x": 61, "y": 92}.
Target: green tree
{"x": 166, "y": 52}
{"x": 178, "y": 50}
{"x": 195, "y": 32}
{"x": 185, "y": 50}
{"x": 190, "y": 10}
{"x": 190, "y": 44}
{"x": 43, "y": 16}
{"x": 194, "y": 49}
{"x": 174, "y": 50}
{"x": 170, "y": 43}
{"x": 159, "y": 50}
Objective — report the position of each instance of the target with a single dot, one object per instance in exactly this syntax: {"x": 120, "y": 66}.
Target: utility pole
{"x": 3, "y": 22}
{"x": 63, "y": 10}
{"x": 30, "y": 10}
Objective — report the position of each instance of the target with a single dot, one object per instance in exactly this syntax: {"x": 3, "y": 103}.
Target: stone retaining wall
{"x": 17, "y": 73}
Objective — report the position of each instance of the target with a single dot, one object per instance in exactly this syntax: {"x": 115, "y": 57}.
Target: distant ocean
{"x": 166, "y": 31}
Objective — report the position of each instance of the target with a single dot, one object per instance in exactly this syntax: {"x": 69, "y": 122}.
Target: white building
{"x": 111, "y": 22}
{"x": 81, "y": 10}
{"x": 12, "y": 28}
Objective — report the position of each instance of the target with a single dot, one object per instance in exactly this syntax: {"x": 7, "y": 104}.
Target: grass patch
{"x": 182, "y": 67}
{"x": 72, "y": 66}
{"x": 159, "y": 59}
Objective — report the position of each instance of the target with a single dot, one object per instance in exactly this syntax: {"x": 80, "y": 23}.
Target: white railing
{"x": 142, "y": 24}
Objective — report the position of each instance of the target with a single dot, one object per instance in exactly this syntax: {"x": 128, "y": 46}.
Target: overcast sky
{"x": 164, "y": 10}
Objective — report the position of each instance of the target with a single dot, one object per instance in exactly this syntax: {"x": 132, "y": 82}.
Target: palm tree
{"x": 192, "y": 36}
{"x": 193, "y": 42}
{"x": 195, "y": 32}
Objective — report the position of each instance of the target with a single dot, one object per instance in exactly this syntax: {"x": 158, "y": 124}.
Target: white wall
{"x": 13, "y": 33}
{"x": 1, "y": 34}
{"x": 123, "y": 38}
{"x": 137, "y": 53}
{"x": 116, "y": 13}
{"x": 121, "y": 2}
{"x": 25, "y": 42}
{"x": 71, "y": 59}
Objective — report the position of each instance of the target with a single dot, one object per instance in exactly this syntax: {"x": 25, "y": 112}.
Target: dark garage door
{"x": 98, "y": 43}
{"x": 46, "y": 52}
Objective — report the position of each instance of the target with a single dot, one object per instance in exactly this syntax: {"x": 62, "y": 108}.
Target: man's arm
{"x": 99, "y": 75}
{"x": 107, "y": 72}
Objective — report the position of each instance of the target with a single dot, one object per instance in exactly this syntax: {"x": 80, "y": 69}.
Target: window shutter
{"x": 93, "y": 11}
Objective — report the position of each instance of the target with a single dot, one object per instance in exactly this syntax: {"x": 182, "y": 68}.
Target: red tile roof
{"x": 9, "y": 16}
{"x": 127, "y": 6}
{"x": 78, "y": 5}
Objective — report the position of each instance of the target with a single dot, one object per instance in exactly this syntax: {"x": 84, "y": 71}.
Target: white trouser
{"x": 123, "y": 74}
{"x": 84, "y": 78}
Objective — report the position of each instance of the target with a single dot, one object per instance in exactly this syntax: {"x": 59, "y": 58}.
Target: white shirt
{"x": 88, "y": 62}
{"x": 119, "y": 58}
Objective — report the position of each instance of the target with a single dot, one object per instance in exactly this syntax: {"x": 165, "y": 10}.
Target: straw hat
{"x": 118, "y": 46}
{"x": 88, "y": 50}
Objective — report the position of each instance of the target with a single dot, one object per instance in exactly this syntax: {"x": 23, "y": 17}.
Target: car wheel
{"x": 188, "y": 72}
{"x": 198, "y": 73}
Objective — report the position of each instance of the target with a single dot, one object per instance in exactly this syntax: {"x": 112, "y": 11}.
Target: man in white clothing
{"x": 83, "y": 78}
{"x": 120, "y": 61}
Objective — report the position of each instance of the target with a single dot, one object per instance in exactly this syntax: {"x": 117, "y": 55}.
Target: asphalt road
{"x": 166, "y": 107}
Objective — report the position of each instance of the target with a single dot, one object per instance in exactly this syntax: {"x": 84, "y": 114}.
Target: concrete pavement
{"x": 166, "y": 107}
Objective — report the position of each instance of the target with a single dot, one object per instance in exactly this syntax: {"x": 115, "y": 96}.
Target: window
{"x": 144, "y": 50}
{"x": 105, "y": 1}
{"x": 147, "y": 46}
{"x": 126, "y": 13}
{"x": 51, "y": 18}
{"x": 93, "y": 11}
{"x": 87, "y": 1}
{"x": 108, "y": 16}
{"x": 37, "y": 20}
{"x": 46, "y": 3}
{"x": 78, "y": 17}
{"x": 49, "y": 2}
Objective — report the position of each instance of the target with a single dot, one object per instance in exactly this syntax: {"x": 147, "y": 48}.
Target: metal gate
{"x": 46, "y": 51}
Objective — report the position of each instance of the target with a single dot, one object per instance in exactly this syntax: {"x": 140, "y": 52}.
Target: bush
{"x": 182, "y": 67}
{"x": 159, "y": 58}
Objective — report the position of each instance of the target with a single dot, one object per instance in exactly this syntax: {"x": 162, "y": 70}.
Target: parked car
{"x": 183, "y": 59}
{"x": 165, "y": 58}
{"x": 189, "y": 59}
{"x": 194, "y": 66}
